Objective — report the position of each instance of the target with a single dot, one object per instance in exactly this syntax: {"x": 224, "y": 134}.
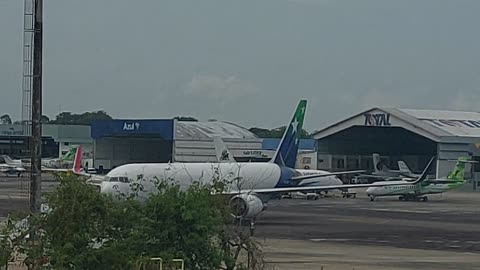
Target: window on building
{"x": 307, "y": 160}
{"x": 340, "y": 163}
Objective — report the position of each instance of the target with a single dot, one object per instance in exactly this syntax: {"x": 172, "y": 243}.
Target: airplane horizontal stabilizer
{"x": 306, "y": 177}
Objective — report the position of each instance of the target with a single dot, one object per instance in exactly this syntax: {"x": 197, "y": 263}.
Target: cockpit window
{"x": 121, "y": 179}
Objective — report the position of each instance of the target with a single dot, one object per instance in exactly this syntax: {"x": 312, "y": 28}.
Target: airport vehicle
{"x": 417, "y": 190}
{"x": 224, "y": 156}
{"x": 249, "y": 185}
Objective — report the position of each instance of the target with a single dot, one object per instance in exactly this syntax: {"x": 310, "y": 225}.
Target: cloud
{"x": 215, "y": 87}
{"x": 311, "y": 2}
{"x": 464, "y": 101}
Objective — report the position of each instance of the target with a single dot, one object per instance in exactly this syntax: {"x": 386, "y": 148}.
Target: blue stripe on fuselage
{"x": 286, "y": 175}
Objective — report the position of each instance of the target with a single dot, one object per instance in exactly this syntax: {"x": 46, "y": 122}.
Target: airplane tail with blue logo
{"x": 286, "y": 154}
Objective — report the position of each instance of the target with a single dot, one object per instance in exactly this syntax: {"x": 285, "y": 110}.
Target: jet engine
{"x": 246, "y": 206}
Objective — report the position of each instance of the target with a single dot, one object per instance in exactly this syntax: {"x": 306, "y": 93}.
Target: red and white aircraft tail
{"x": 77, "y": 161}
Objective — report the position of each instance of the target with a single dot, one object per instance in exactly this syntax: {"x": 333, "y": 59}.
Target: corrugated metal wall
{"x": 204, "y": 150}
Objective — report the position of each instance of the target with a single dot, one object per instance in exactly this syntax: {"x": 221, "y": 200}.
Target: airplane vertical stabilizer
{"x": 378, "y": 164}
{"x": 221, "y": 150}
{"x": 458, "y": 172}
{"x": 286, "y": 154}
{"x": 77, "y": 162}
{"x": 403, "y": 167}
{"x": 424, "y": 174}
{"x": 70, "y": 155}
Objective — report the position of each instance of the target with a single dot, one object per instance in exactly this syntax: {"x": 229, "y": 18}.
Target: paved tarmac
{"x": 338, "y": 233}
{"x": 14, "y": 192}
{"x": 443, "y": 233}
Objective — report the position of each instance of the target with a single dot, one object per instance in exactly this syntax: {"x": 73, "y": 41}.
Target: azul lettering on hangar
{"x": 377, "y": 119}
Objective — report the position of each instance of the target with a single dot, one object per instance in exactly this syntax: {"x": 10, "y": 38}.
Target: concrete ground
{"x": 345, "y": 234}
{"x": 338, "y": 233}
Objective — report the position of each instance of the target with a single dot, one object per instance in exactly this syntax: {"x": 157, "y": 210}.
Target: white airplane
{"x": 12, "y": 170}
{"x": 18, "y": 167}
{"x": 12, "y": 162}
{"x": 224, "y": 156}
{"x": 64, "y": 161}
{"x": 407, "y": 190}
{"x": 383, "y": 173}
{"x": 11, "y": 167}
{"x": 249, "y": 185}
{"x": 382, "y": 170}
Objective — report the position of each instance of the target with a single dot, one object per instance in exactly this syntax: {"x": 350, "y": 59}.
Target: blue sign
{"x": 120, "y": 128}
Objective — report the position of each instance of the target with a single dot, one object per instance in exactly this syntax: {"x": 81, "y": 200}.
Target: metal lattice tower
{"x": 27, "y": 78}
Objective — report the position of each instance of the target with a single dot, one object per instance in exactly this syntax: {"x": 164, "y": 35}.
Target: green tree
{"x": 275, "y": 133}
{"x": 89, "y": 230}
{"x": 67, "y": 118}
{"x": 45, "y": 119}
{"x": 5, "y": 119}
{"x": 186, "y": 118}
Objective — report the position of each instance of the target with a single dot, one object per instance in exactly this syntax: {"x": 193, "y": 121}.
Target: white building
{"x": 401, "y": 134}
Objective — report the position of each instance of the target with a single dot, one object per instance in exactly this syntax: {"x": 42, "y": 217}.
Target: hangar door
{"x": 352, "y": 148}
{"x": 119, "y": 142}
{"x": 111, "y": 152}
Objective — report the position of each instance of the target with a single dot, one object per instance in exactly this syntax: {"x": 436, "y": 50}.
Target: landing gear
{"x": 372, "y": 198}
{"x": 252, "y": 226}
{"x": 401, "y": 198}
{"x": 424, "y": 198}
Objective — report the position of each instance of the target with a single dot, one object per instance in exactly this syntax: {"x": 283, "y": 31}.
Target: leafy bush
{"x": 89, "y": 230}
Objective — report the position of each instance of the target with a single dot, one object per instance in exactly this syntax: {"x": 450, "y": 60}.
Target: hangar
{"x": 401, "y": 134}
{"x": 118, "y": 142}
{"x": 56, "y": 140}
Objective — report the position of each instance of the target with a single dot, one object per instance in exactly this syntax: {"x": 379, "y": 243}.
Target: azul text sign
{"x": 131, "y": 126}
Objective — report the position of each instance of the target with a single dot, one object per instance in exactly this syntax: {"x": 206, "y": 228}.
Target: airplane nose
{"x": 370, "y": 191}
{"x": 112, "y": 188}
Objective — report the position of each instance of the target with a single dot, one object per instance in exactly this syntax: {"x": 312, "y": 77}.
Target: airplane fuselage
{"x": 405, "y": 188}
{"x": 238, "y": 176}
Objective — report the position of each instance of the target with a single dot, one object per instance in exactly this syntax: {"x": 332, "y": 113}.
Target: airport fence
{"x": 158, "y": 264}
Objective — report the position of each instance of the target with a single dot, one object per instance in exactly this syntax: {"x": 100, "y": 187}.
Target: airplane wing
{"x": 305, "y": 177}
{"x": 45, "y": 169}
{"x": 318, "y": 188}
{"x": 310, "y": 188}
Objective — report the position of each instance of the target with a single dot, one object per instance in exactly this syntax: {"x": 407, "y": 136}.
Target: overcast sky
{"x": 248, "y": 62}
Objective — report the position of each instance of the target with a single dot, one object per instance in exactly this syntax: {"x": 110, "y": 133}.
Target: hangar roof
{"x": 208, "y": 130}
{"x": 437, "y": 125}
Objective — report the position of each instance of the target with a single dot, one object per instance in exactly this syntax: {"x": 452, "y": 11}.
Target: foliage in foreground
{"x": 88, "y": 230}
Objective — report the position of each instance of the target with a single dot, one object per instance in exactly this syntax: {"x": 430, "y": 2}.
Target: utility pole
{"x": 36, "y": 153}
